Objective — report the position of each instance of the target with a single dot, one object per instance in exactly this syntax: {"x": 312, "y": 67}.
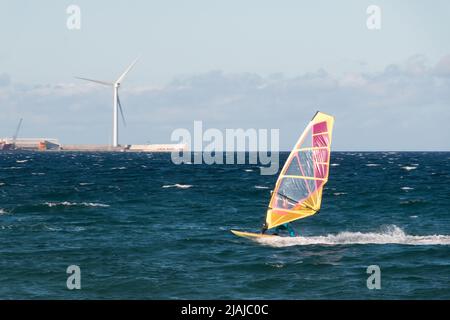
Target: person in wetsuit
{"x": 264, "y": 228}
{"x": 283, "y": 227}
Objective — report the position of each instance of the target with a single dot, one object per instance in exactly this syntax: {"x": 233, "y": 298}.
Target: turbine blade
{"x": 120, "y": 109}
{"x": 97, "y": 81}
{"x": 127, "y": 70}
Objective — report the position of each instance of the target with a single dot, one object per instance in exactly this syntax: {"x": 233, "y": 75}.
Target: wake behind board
{"x": 252, "y": 235}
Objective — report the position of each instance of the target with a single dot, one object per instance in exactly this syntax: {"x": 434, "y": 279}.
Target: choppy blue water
{"x": 141, "y": 227}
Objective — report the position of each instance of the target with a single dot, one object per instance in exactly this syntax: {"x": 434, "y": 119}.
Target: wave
{"x": 3, "y": 211}
{"x": 52, "y": 228}
{"x": 392, "y": 235}
{"x": 412, "y": 202}
{"x": 409, "y": 168}
{"x": 176, "y": 185}
{"x": 76, "y": 204}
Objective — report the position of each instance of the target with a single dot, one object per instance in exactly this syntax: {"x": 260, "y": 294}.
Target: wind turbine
{"x": 116, "y": 100}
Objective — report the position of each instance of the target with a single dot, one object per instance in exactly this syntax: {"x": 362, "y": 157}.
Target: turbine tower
{"x": 116, "y": 101}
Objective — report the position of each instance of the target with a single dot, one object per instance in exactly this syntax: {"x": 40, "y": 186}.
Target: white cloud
{"x": 404, "y": 107}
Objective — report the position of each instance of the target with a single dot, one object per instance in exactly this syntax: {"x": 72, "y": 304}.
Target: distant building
{"x": 31, "y": 143}
{"x": 5, "y": 146}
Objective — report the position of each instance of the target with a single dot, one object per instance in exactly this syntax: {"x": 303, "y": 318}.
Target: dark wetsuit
{"x": 264, "y": 228}
{"x": 286, "y": 227}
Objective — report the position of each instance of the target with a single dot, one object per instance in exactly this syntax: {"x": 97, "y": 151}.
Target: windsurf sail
{"x": 298, "y": 190}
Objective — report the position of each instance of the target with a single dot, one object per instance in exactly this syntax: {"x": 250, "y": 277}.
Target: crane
{"x": 14, "y": 138}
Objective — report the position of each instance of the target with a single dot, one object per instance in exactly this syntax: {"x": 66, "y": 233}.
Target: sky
{"x": 231, "y": 64}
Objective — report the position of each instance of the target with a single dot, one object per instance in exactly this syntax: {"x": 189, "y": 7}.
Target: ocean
{"x": 140, "y": 227}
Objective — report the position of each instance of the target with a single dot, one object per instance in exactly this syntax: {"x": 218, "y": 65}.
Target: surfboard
{"x": 251, "y": 235}
{"x": 298, "y": 190}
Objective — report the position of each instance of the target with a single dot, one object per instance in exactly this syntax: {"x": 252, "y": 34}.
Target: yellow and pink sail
{"x": 298, "y": 190}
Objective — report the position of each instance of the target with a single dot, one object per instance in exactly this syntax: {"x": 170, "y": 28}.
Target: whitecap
{"x": 176, "y": 185}
{"x": 248, "y": 170}
{"x": 21, "y": 161}
{"x": 94, "y": 204}
{"x": 261, "y": 187}
{"x": 85, "y": 183}
{"x": 409, "y": 168}
{"x": 372, "y": 165}
{"x": 74, "y": 204}
{"x": 407, "y": 188}
{"x": 52, "y": 228}
{"x": 391, "y": 235}
{"x": 339, "y": 193}
{"x": 334, "y": 164}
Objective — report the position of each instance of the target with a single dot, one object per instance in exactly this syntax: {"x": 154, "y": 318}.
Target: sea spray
{"x": 389, "y": 235}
